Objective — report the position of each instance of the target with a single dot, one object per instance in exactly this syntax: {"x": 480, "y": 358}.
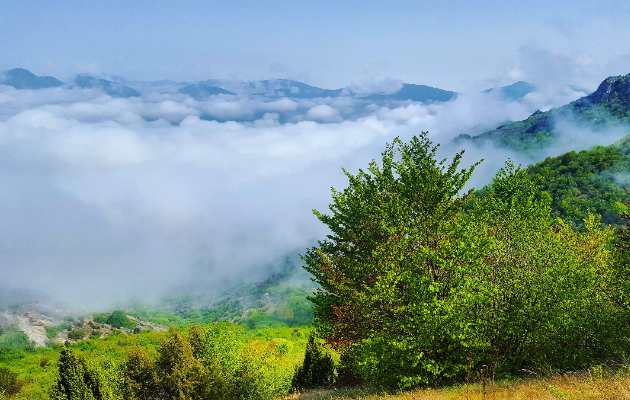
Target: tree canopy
{"x": 417, "y": 276}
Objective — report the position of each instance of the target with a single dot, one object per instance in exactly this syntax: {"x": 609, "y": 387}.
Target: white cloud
{"x": 323, "y": 113}
{"x": 131, "y": 193}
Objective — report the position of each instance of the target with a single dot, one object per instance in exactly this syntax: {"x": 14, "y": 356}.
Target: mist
{"x": 103, "y": 199}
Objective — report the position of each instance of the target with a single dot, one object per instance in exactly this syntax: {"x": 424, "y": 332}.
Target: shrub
{"x": 317, "y": 370}
{"x": 76, "y": 380}
{"x": 100, "y": 318}
{"x": 76, "y": 335}
{"x": 10, "y": 384}
{"x": 52, "y": 331}
{"x": 264, "y": 373}
{"x": 118, "y": 319}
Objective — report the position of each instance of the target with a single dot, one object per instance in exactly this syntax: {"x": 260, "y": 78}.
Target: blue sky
{"x": 448, "y": 44}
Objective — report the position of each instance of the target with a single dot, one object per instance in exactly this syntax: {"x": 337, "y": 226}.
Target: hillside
{"x": 608, "y": 106}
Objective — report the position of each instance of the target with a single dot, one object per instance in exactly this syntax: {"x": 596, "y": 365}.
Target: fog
{"x": 103, "y": 199}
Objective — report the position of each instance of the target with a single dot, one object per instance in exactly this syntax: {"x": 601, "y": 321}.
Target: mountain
{"x": 295, "y": 89}
{"x": 420, "y": 93}
{"x": 199, "y": 91}
{"x": 21, "y": 78}
{"x": 608, "y": 106}
{"x": 111, "y": 88}
{"x": 515, "y": 91}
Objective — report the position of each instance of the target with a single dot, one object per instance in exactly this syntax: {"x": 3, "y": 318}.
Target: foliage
{"x": 210, "y": 362}
{"x": 13, "y": 338}
{"x": 10, "y": 384}
{"x": 76, "y": 335}
{"x": 594, "y": 180}
{"x": 317, "y": 370}
{"x": 412, "y": 284}
{"x": 118, "y": 319}
{"x": 77, "y": 380}
{"x": 100, "y": 318}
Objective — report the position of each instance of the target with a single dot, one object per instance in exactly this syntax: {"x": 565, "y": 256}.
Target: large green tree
{"x": 417, "y": 276}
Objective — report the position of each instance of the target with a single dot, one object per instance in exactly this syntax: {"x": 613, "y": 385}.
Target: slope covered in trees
{"x": 608, "y": 106}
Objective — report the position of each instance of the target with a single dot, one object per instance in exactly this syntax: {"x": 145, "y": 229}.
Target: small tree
{"x": 76, "y": 380}
{"x": 118, "y": 319}
{"x": 317, "y": 370}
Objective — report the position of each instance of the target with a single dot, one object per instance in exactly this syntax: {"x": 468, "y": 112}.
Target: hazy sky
{"x": 450, "y": 44}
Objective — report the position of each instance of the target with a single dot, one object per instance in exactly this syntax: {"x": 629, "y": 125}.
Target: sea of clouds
{"x": 107, "y": 198}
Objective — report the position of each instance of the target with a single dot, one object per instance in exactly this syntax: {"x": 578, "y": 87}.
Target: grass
{"x": 583, "y": 385}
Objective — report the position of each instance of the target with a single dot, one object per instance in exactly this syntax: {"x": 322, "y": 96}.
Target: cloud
{"x": 107, "y": 198}
{"x": 323, "y": 113}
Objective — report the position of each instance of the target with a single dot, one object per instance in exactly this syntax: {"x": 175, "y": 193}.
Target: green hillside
{"x": 608, "y": 106}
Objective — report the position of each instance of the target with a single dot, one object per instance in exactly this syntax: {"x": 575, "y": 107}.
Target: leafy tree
{"x": 417, "y": 277}
{"x": 141, "y": 381}
{"x": 180, "y": 374}
{"x": 400, "y": 247}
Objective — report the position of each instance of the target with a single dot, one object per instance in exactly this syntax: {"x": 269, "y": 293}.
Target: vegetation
{"x": 318, "y": 369}
{"x": 119, "y": 319}
{"x": 261, "y": 359}
{"x": 608, "y": 107}
{"x": 76, "y": 335}
{"x": 10, "y": 385}
{"x": 417, "y": 279}
{"x": 420, "y": 285}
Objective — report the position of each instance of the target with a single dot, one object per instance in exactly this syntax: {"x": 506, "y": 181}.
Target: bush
{"x": 118, "y": 319}
{"x": 100, "y": 318}
{"x": 210, "y": 363}
{"x": 76, "y": 380}
{"x": 10, "y": 385}
{"x": 76, "y": 335}
{"x": 318, "y": 369}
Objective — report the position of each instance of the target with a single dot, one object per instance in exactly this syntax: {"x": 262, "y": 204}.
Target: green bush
{"x": 76, "y": 380}
{"x": 13, "y": 338}
{"x": 10, "y": 384}
{"x": 100, "y": 318}
{"x": 118, "y": 319}
{"x": 210, "y": 363}
{"x": 76, "y": 335}
{"x": 318, "y": 369}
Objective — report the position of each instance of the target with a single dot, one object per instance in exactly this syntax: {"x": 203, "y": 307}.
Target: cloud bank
{"x": 105, "y": 199}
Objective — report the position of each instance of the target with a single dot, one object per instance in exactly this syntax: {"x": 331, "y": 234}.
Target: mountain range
{"x": 117, "y": 86}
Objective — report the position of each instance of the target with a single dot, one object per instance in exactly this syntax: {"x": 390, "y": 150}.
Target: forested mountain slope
{"x": 608, "y": 106}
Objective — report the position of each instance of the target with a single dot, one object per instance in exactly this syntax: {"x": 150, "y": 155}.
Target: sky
{"x": 105, "y": 198}
{"x": 452, "y": 44}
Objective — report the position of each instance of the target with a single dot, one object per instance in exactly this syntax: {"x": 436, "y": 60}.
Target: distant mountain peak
{"x": 199, "y": 91}
{"x": 21, "y": 78}
{"x": 110, "y": 88}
